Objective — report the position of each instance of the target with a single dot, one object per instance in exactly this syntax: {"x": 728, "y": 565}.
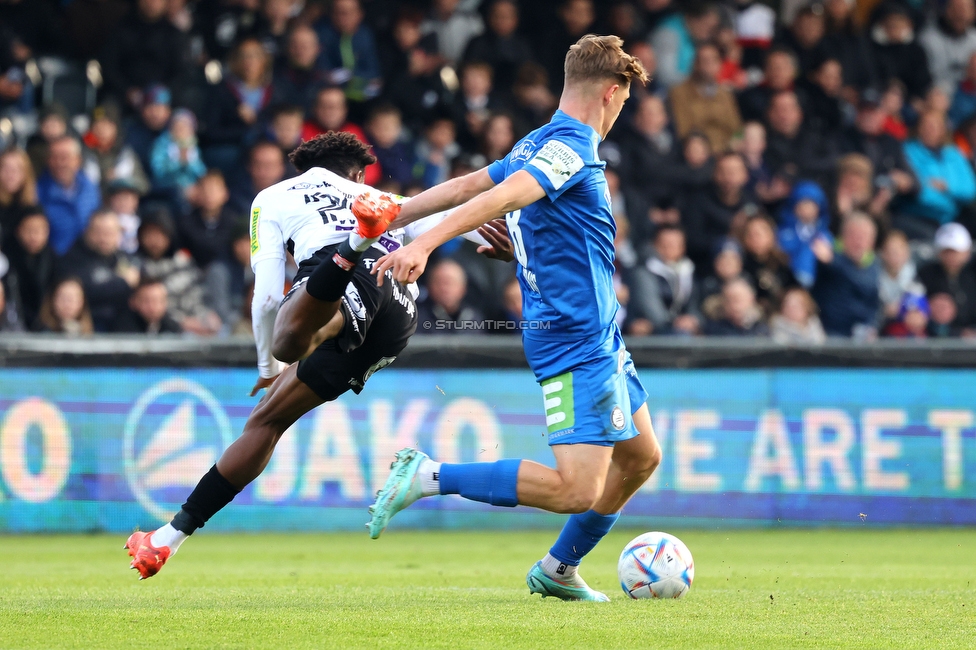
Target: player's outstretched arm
{"x": 445, "y": 196}
{"x": 515, "y": 192}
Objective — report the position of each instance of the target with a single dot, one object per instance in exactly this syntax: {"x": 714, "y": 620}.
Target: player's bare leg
{"x": 632, "y": 464}
{"x": 329, "y": 331}
{"x": 287, "y": 399}
{"x": 573, "y": 486}
{"x": 304, "y": 326}
{"x": 298, "y": 324}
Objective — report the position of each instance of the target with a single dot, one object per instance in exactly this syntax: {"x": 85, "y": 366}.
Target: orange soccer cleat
{"x": 146, "y": 558}
{"x": 374, "y": 214}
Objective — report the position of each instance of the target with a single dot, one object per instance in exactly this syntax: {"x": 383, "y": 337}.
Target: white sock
{"x": 359, "y": 243}
{"x": 429, "y": 472}
{"x": 559, "y": 570}
{"x": 168, "y": 536}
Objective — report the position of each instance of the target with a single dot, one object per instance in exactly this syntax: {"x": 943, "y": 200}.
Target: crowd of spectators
{"x": 794, "y": 170}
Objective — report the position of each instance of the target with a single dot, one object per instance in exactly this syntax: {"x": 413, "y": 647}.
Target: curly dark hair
{"x": 339, "y": 152}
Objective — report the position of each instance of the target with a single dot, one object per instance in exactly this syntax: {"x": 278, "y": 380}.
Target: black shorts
{"x": 378, "y": 323}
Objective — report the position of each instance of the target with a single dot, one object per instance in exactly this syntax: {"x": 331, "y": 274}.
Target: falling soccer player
{"x": 553, "y": 191}
{"x": 337, "y": 321}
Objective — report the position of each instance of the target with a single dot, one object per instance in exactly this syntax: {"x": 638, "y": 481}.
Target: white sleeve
{"x": 269, "y": 283}
{"x": 267, "y": 240}
{"x": 419, "y": 227}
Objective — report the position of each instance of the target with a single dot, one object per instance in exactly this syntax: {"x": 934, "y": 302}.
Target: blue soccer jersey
{"x": 564, "y": 245}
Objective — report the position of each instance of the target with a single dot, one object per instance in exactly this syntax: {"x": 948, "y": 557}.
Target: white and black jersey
{"x": 306, "y": 215}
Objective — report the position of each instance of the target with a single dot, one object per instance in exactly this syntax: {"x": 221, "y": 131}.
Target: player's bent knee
{"x": 577, "y": 505}
{"x": 645, "y": 465}
{"x": 654, "y": 458}
{"x": 578, "y": 499}
{"x": 286, "y": 347}
{"x": 643, "y": 462}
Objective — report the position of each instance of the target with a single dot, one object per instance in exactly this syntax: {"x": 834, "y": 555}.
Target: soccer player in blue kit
{"x": 553, "y": 191}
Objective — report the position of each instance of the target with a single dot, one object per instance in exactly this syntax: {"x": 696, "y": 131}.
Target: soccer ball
{"x": 656, "y": 565}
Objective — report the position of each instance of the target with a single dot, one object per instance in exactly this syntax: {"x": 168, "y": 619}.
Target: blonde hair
{"x": 858, "y": 217}
{"x": 27, "y": 194}
{"x": 856, "y": 163}
{"x": 599, "y": 58}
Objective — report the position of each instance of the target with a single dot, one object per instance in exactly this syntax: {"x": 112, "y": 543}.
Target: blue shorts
{"x": 594, "y": 402}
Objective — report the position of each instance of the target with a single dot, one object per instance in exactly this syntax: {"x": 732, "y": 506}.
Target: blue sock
{"x": 493, "y": 483}
{"x": 580, "y": 534}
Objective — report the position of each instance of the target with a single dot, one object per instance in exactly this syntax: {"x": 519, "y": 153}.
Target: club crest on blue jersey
{"x": 523, "y": 150}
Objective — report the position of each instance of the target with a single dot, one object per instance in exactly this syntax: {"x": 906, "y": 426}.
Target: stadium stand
{"x": 778, "y": 151}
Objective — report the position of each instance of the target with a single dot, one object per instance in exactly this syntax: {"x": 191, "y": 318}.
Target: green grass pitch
{"x": 857, "y": 588}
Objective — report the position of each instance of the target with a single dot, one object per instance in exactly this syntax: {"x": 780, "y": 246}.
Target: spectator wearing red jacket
{"x": 331, "y": 113}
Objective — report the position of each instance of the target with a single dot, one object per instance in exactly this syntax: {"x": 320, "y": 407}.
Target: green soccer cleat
{"x": 401, "y": 489}
{"x": 540, "y": 583}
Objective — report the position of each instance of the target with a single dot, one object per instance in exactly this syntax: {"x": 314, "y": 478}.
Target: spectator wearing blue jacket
{"x": 676, "y": 38}
{"x": 67, "y": 195}
{"x": 847, "y": 279}
{"x": 175, "y": 159}
{"x": 803, "y": 219}
{"x": 349, "y": 52}
{"x": 945, "y": 177}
